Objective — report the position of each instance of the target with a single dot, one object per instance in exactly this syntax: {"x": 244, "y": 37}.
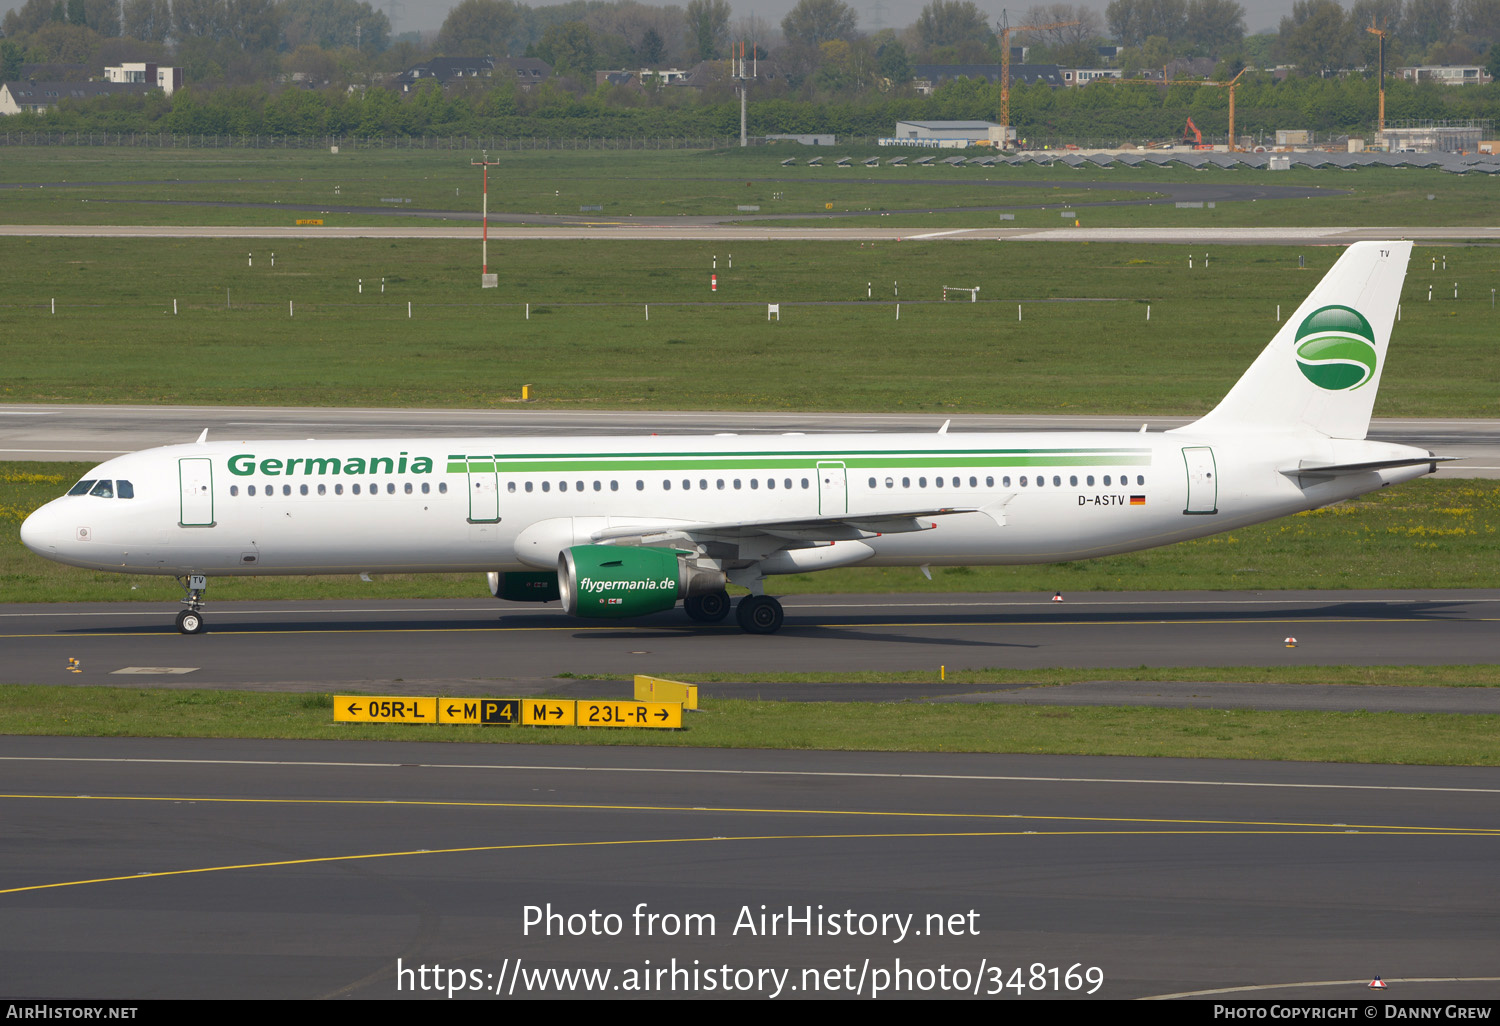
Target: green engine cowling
{"x": 618, "y": 580}
{"x": 524, "y": 586}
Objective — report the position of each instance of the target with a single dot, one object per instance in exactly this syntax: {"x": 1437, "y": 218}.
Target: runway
{"x": 405, "y": 647}
{"x": 833, "y": 232}
{"x": 148, "y": 868}
{"x": 42, "y": 431}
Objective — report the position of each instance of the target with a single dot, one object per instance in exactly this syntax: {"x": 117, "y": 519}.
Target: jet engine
{"x": 618, "y": 580}
{"x": 524, "y": 586}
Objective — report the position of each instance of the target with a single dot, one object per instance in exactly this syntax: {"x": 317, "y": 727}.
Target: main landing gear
{"x": 709, "y": 608}
{"x": 757, "y": 614}
{"x": 190, "y": 620}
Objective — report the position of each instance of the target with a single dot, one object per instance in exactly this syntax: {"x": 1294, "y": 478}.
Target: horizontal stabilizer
{"x": 1310, "y": 468}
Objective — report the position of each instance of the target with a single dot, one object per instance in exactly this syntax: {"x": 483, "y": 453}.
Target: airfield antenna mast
{"x": 485, "y": 280}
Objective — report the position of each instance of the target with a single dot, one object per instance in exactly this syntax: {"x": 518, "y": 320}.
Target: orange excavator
{"x": 1196, "y": 137}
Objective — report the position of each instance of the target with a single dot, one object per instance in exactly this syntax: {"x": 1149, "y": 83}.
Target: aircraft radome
{"x": 619, "y": 527}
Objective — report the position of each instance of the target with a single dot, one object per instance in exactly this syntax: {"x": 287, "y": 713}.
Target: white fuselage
{"x": 501, "y": 504}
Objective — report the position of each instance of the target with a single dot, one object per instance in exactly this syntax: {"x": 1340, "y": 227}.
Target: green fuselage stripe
{"x": 894, "y": 460}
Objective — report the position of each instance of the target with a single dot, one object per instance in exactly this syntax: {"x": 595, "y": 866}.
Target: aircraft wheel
{"x": 190, "y": 621}
{"x": 710, "y": 608}
{"x": 759, "y": 614}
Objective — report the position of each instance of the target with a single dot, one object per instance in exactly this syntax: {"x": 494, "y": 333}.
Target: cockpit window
{"x": 124, "y": 490}
{"x": 104, "y": 490}
{"x": 82, "y": 487}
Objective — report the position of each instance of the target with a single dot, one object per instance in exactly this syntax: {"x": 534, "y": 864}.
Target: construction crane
{"x": 1004, "y": 34}
{"x": 1230, "y": 85}
{"x": 1382, "y": 33}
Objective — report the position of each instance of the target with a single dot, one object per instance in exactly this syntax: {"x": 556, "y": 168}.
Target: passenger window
{"x": 338, "y": 489}
{"x": 666, "y": 486}
{"x": 736, "y": 483}
{"x": 721, "y": 484}
{"x": 124, "y": 490}
{"x": 1106, "y": 480}
{"x": 1041, "y": 481}
{"x": 250, "y": 490}
{"x": 82, "y": 487}
{"x": 234, "y": 489}
{"x": 754, "y": 482}
{"x": 804, "y": 482}
{"x": 890, "y": 482}
{"x": 408, "y": 487}
{"x": 921, "y": 482}
{"x": 442, "y": 487}
{"x": 425, "y": 487}
{"x": 286, "y": 489}
{"x": 906, "y": 482}
{"x": 1140, "y": 479}
{"x": 546, "y": 486}
{"x": 1057, "y": 480}
{"x": 640, "y": 486}
{"x": 303, "y": 489}
{"x": 562, "y": 486}
{"x": 771, "y": 482}
{"x": 614, "y": 486}
{"x": 579, "y": 485}
{"x": 353, "y": 488}
{"x": 510, "y": 486}
{"x": 323, "y": 489}
{"x": 1073, "y": 480}
{"x": 528, "y": 486}
{"x": 1023, "y": 480}
{"x": 104, "y": 490}
{"x": 1090, "y": 480}
{"x": 703, "y": 484}
{"x": 1005, "y": 481}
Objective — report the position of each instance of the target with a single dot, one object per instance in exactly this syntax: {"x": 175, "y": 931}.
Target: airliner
{"x": 622, "y": 527}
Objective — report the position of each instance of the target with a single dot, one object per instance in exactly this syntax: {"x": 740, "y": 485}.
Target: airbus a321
{"x": 620, "y": 526}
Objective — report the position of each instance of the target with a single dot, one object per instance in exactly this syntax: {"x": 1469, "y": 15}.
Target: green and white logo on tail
{"x": 1336, "y": 349}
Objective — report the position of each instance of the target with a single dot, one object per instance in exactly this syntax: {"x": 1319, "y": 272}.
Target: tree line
{"x": 325, "y": 66}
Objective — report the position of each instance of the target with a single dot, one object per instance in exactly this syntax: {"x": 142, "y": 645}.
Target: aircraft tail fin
{"x": 1322, "y": 369}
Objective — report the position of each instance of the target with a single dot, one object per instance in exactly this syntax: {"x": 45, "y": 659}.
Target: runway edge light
{"x": 1377, "y": 983}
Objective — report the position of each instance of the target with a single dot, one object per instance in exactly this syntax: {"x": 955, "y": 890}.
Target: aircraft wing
{"x": 838, "y": 527}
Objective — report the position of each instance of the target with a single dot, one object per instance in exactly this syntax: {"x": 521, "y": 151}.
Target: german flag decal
{"x": 1137, "y": 500}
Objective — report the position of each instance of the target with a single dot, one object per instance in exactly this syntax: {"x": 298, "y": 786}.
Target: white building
{"x": 1083, "y": 76}
{"x": 1447, "y": 74}
{"x": 932, "y": 132}
{"x": 145, "y": 73}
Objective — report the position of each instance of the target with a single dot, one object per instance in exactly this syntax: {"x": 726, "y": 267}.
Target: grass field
{"x": 103, "y": 185}
{"x": 840, "y": 726}
{"x": 1425, "y": 534}
{"x": 1059, "y": 328}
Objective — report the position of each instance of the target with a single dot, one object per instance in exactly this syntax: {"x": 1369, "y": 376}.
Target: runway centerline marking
{"x": 975, "y": 778}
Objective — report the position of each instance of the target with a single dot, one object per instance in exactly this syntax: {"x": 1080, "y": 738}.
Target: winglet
{"x": 203, "y": 437}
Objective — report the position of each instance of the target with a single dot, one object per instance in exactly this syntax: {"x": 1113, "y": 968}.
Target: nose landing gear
{"x": 190, "y": 620}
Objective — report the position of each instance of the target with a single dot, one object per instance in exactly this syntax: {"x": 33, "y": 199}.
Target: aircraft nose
{"x": 39, "y": 531}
